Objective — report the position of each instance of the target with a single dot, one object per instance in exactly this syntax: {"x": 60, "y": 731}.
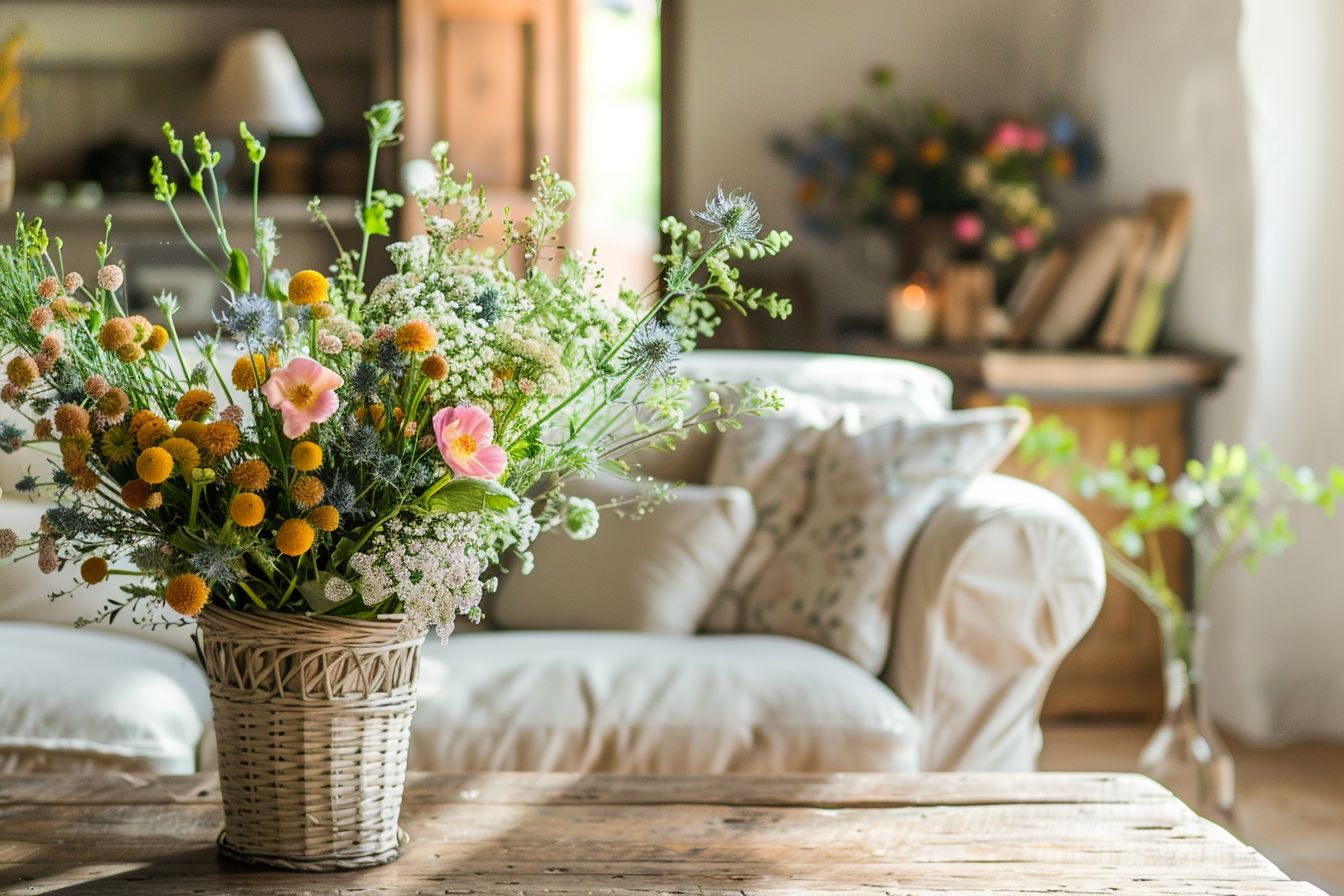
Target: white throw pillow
{"x": 832, "y": 579}
{"x": 653, "y": 574}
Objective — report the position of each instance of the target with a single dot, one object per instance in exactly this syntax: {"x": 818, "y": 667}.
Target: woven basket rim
{"x": 256, "y": 623}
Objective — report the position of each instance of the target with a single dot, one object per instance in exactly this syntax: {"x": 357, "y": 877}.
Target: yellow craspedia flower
{"x": 138, "y": 494}
{"x": 294, "y": 538}
{"x": 307, "y": 288}
{"x": 154, "y": 465}
{"x": 187, "y": 455}
{"x": 151, "y": 432}
{"x": 187, "y": 593}
{"x": 306, "y": 456}
{"x": 130, "y": 353}
{"x": 324, "y": 519}
{"x": 194, "y": 404}
{"x": 247, "y": 510}
{"x": 191, "y": 430}
{"x": 251, "y": 371}
{"x": 252, "y": 475}
{"x": 415, "y": 336}
{"x": 158, "y": 338}
{"x": 307, "y": 491}
{"x": 118, "y": 445}
{"x": 93, "y": 570}
{"x": 220, "y": 438}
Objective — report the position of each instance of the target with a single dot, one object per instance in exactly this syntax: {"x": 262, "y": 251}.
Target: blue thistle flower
{"x": 362, "y": 440}
{"x": 390, "y": 358}
{"x": 487, "y": 304}
{"x": 214, "y": 563}
{"x": 341, "y": 495}
{"x": 26, "y": 485}
{"x": 11, "y": 438}
{"x": 364, "y": 381}
{"x": 387, "y": 468}
{"x": 734, "y": 215}
{"x": 251, "y": 318}
{"x": 653, "y": 351}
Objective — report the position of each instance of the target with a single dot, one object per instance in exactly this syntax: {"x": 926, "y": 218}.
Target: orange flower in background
{"x": 195, "y": 404}
{"x": 251, "y": 475}
{"x": 307, "y": 491}
{"x": 932, "y": 152}
{"x": 416, "y": 336}
{"x": 882, "y": 159}
{"x": 71, "y": 419}
{"x": 158, "y": 338}
{"x": 154, "y": 465}
{"x": 905, "y": 204}
{"x": 308, "y": 288}
{"x": 191, "y": 430}
{"x": 325, "y": 518}
{"x": 807, "y": 192}
{"x": 250, "y": 371}
{"x": 136, "y": 494}
{"x": 93, "y": 570}
{"x": 434, "y": 367}
{"x": 152, "y": 432}
{"x": 220, "y": 438}
{"x": 306, "y": 456}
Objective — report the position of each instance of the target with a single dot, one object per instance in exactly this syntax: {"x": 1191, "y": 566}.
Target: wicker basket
{"x": 312, "y": 717}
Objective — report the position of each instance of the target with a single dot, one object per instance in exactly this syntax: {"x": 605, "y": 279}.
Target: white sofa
{"x": 1001, "y": 583}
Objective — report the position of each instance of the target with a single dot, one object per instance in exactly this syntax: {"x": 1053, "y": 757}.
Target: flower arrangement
{"x": 343, "y": 451}
{"x": 890, "y": 162}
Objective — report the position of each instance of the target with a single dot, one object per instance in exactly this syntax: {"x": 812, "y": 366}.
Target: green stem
{"x": 191, "y": 242}
{"x": 368, "y": 200}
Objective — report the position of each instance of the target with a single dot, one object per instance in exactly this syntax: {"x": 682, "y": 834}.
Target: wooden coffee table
{"x": 559, "y": 834}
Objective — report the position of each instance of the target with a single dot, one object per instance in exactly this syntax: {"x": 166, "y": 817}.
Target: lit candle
{"x": 911, "y": 312}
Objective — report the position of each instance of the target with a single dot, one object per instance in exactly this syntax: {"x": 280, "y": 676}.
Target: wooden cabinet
{"x": 1115, "y": 670}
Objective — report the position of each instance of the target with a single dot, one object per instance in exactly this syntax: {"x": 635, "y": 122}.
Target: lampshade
{"x": 257, "y": 80}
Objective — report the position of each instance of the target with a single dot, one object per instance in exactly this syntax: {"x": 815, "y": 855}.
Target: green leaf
{"x": 341, "y": 554}
{"x": 239, "y": 273}
{"x": 314, "y": 593}
{"x": 467, "y": 495}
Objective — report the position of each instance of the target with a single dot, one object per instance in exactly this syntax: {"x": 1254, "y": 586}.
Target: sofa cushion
{"x": 645, "y": 703}
{"x": 655, "y": 573}
{"x": 25, "y": 595}
{"x": 80, "y": 695}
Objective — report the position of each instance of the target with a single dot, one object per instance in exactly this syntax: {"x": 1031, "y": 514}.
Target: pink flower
{"x": 1033, "y": 139}
{"x": 1026, "y": 239}
{"x": 968, "y": 228}
{"x": 1009, "y": 136}
{"x": 463, "y": 435}
{"x": 304, "y": 392}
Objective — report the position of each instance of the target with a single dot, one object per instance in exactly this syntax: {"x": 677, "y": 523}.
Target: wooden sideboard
{"x": 1116, "y": 669}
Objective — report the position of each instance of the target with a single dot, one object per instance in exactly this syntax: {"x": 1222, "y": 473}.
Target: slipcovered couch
{"x": 1001, "y": 582}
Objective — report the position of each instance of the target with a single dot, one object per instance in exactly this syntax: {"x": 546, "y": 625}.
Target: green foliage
{"x": 1232, "y": 505}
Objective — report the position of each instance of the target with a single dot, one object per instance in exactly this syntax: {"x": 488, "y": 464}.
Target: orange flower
{"x": 154, "y": 465}
{"x": 116, "y": 333}
{"x": 247, "y": 510}
{"x": 187, "y": 594}
{"x": 325, "y": 518}
{"x": 93, "y": 570}
{"x": 151, "y": 432}
{"x": 158, "y": 338}
{"x": 186, "y": 455}
{"x": 22, "y": 371}
{"x": 195, "y": 404}
{"x": 250, "y": 371}
{"x": 416, "y": 336}
{"x": 252, "y": 475}
{"x": 294, "y": 538}
{"x": 220, "y": 438}
{"x": 71, "y": 419}
{"x": 137, "y": 493}
{"x": 306, "y": 456}
{"x": 434, "y": 367}
{"x": 191, "y": 430}
{"x": 307, "y": 288}
{"x": 307, "y": 491}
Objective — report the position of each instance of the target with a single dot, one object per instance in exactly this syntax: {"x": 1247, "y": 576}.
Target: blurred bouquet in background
{"x": 943, "y": 187}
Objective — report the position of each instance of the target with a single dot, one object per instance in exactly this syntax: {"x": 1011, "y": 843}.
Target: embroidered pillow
{"x": 832, "y": 579}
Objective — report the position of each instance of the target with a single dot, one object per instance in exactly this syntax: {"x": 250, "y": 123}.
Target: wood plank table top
{"x": 617, "y": 834}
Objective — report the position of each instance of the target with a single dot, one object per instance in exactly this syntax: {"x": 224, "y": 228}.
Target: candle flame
{"x": 914, "y": 297}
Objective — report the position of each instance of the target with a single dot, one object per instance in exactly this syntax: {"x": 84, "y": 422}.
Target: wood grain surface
{"x": 608, "y": 834}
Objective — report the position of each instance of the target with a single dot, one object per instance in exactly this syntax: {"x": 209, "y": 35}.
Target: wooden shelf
{"x": 1098, "y": 376}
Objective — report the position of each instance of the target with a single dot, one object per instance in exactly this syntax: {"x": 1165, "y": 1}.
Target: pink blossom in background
{"x": 304, "y": 392}
{"x": 1034, "y": 139}
{"x": 968, "y": 228}
{"x": 1026, "y": 239}
{"x": 463, "y": 435}
{"x": 1009, "y": 135}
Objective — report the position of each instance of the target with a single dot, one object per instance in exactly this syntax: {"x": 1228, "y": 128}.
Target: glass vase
{"x": 1185, "y": 753}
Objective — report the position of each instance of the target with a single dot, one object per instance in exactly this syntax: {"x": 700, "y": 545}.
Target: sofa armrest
{"x": 1002, "y": 582}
